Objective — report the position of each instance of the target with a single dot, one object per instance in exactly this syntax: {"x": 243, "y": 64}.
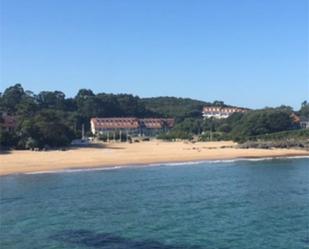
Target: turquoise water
{"x": 228, "y": 205}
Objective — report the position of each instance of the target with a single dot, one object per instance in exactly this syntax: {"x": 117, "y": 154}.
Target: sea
{"x": 234, "y": 204}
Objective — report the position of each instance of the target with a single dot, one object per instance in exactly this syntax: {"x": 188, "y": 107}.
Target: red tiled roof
{"x": 152, "y": 123}
{"x": 157, "y": 123}
{"x": 132, "y": 123}
{"x": 115, "y": 123}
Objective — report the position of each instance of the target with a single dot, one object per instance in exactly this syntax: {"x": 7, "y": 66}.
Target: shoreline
{"x": 144, "y": 154}
{"x": 157, "y": 164}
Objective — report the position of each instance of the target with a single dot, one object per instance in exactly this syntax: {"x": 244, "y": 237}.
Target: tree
{"x": 50, "y": 118}
{"x": 304, "y": 110}
{"x": 178, "y": 108}
{"x": 263, "y": 121}
{"x": 28, "y": 105}
{"x": 218, "y": 103}
{"x": 84, "y": 93}
{"x": 190, "y": 126}
{"x": 52, "y": 129}
{"x": 47, "y": 127}
{"x": 11, "y": 97}
{"x": 53, "y": 100}
{"x": 7, "y": 138}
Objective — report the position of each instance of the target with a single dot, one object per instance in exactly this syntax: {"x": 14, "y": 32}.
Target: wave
{"x": 231, "y": 161}
{"x": 73, "y": 170}
{"x": 216, "y": 161}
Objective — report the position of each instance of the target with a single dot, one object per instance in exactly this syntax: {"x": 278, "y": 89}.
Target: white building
{"x": 131, "y": 126}
{"x": 220, "y": 112}
{"x": 304, "y": 123}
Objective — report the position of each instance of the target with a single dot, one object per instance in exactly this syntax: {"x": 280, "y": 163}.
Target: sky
{"x": 251, "y": 53}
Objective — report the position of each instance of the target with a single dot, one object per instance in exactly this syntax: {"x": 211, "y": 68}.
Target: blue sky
{"x": 252, "y": 53}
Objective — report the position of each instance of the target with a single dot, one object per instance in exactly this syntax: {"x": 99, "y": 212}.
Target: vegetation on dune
{"x": 50, "y": 119}
{"x": 262, "y": 122}
{"x": 284, "y": 139}
{"x": 283, "y": 135}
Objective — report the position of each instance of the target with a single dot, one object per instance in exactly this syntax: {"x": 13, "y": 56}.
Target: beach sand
{"x": 112, "y": 154}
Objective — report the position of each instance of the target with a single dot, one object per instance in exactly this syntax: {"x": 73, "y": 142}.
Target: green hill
{"x": 175, "y": 107}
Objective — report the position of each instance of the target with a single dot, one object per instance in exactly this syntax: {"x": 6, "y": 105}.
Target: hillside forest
{"x": 49, "y": 118}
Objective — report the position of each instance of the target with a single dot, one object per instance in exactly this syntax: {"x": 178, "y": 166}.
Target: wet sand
{"x": 113, "y": 154}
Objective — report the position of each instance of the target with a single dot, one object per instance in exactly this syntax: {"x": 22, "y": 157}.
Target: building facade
{"x": 220, "y": 112}
{"x": 110, "y": 125}
{"x": 304, "y": 123}
{"x": 153, "y": 126}
{"x": 130, "y": 126}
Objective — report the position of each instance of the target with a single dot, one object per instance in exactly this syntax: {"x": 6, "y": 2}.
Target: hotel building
{"x": 131, "y": 126}
{"x": 220, "y": 112}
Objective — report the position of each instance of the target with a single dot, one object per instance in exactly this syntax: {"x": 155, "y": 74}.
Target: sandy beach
{"x": 104, "y": 155}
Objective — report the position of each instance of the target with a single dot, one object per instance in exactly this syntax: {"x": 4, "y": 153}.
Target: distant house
{"x": 8, "y": 122}
{"x": 304, "y": 123}
{"x": 220, "y": 112}
{"x": 130, "y": 126}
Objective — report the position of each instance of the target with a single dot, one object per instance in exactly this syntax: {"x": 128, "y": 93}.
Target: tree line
{"x": 49, "y": 118}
